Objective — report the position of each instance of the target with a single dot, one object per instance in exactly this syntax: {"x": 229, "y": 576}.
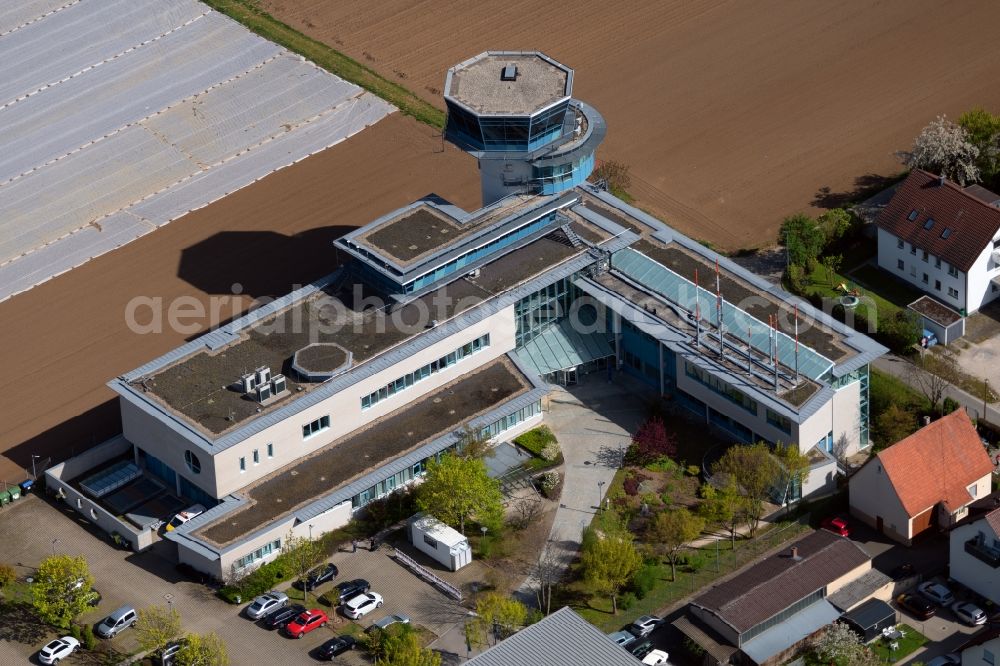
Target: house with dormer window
{"x": 924, "y": 481}
{"x": 943, "y": 239}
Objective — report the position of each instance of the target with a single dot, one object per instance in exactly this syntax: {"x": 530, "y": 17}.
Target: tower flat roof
{"x": 477, "y": 84}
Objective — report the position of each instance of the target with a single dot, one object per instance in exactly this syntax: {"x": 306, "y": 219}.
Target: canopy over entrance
{"x": 561, "y": 347}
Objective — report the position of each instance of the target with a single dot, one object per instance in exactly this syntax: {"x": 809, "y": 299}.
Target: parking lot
{"x": 32, "y": 528}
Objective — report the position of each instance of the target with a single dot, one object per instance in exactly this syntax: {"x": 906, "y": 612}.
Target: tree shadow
{"x": 20, "y": 624}
{"x": 865, "y": 187}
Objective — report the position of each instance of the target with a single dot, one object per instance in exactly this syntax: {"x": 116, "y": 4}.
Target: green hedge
{"x": 535, "y": 439}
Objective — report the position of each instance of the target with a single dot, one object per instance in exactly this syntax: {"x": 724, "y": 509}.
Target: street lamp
{"x": 600, "y": 494}
{"x": 34, "y": 475}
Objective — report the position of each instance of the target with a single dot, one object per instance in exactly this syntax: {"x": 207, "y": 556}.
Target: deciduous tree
{"x": 302, "y": 553}
{"x": 803, "y": 239}
{"x": 894, "y": 424}
{"x": 609, "y": 558}
{"x": 671, "y": 531}
{"x": 932, "y": 375}
{"x": 399, "y": 645}
{"x": 944, "y": 148}
{"x": 724, "y": 505}
{"x": 156, "y": 626}
{"x": 795, "y": 464}
{"x": 616, "y": 175}
{"x": 456, "y": 490}
{"x": 203, "y": 650}
{"x": 652, "y": 442}
{"x": 983, "y": 130}
{"x": 756, "y": 472}
{"x": 497, "y": 615}
{"x": 63, "y": 589}
{"x": 835, "y": 223}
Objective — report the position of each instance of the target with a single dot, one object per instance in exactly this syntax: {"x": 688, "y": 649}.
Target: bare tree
{"x": 526, "y": 510}
{"x": 548, "y": 571}
{"x": 840, "y": 447}
{"x": 944, "y": 147}
{"x": 931, "y": 377}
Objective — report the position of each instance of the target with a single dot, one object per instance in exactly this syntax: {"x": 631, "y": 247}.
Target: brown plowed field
{"x": 61, "y": 341}
{"x": 731, "y": 114}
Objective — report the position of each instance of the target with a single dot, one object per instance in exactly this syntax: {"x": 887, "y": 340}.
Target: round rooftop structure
{"x": 320, "y": 361}
{"x": 508, "y": 83}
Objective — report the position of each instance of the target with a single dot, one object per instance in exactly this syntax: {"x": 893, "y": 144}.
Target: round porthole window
{"x": 192, "y": 462}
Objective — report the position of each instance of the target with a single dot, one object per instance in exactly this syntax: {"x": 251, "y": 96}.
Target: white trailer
{"x": 444, "y": 544}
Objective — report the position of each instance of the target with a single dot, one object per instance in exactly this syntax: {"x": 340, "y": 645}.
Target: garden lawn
{"x": 895, "y": 291}
{"x": 908, "y": 644}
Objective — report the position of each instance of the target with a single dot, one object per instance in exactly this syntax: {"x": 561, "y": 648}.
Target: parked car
{"x": 362, "y": 604}
{"x": 643, "y": 626}
{"x": 112, "y": 625}
{"x": 656, "y": 658}
{"x": 184, "y": 516}
{"x": 837, "y": 525}
{"x": 305, "y": 622}
{"x": 278, "y": 618}
{"x": 969, "y": 613}
{"x": 335, "y": 646}
{"x": 169, "y": 654}
{"x": 622, "y": 637}
{"x": 916, "y": 605}
{"x": 388, "y": 621}
{"x": 58, "y": 649}
{"x": 640, "y": 649}
{"x": 902, "y": 571}
{"x": 317, "y": 577}
{"x": 266, "y": 603}
{"x": 937, "y": 593}
{"x": 348, "y": 589}
{"x": 950, "y": 659}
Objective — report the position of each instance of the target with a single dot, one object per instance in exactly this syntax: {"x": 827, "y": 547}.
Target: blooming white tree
{"x": 944, "y": 147}
{"x": 839, "y": 644}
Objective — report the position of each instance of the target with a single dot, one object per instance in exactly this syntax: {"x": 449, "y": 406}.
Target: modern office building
{"x": 295, "y": 416}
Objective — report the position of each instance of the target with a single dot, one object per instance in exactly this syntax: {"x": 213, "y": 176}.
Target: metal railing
{"x": 422, "y": 572}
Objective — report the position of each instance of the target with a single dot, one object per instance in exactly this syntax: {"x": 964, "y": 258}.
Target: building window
{"x": 720, "y": 387}
{"x": 937, "y": 284}
{"x": 913, "y": 215}
{"x": 192, "y": 462}
{"x": 952, "y": 271}
{"x": 420, "y": 374}
{"x": 988, "y": 657}
{"x": 900, "y": 244}
{"x": 259, "y": 554}
{"x": 430, "y": 541}
{"x": 779, "y": 421}
{"x": 925, "y": 256}
{"x": 319, "y": 425}
{"x": 913, "y": 250}
{"x": 913, "y": 270}
{"x": 243, "y": 464}
{"x": 952, "y": 292}
{"x": 946, "y": 233}
{"x": 926, "y": 279}
{"x": 256, "y": 457}
{"x": 937, "y": 262}
{"x": 900, "y": 265}
{"x": 270, "y": 450}
{"x": 973, "y": 490}
{"x": 929, "y": 223}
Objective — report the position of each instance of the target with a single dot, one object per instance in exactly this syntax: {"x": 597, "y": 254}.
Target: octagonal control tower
{"x": 514, "y": 111}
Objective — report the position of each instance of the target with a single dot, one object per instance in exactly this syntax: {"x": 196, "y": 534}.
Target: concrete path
{"x": 901, "y": 368}
{"x": 593, "y": 422}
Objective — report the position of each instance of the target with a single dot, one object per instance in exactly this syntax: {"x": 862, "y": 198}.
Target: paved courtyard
{"x": 32, "y": 529}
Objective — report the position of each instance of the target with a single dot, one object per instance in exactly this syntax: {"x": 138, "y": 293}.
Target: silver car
{"x": 969, "y": 613}
{"x": 266, "y": 603}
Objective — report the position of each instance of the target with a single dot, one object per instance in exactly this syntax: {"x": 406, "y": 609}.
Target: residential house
{"x": 943, "y": 239}
{"x": 928, "y": 479}
{"x": 765, "y": 612}
{"x": 983, "y": 648}
{"x": 975, "y": 553}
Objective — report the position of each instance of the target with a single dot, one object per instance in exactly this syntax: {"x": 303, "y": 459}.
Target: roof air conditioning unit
{"x": 278, "y": 384}
{"x": 263, "y": 374}
{"x": 263, "y": 392}
{"x": 248, "y": 382}
{"x": 474, "y": 273}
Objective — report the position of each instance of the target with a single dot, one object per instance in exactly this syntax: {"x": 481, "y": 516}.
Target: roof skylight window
{"x": 946, "y": 232}
{"x": 929, "y": 223}
{"x": 913, "y": 215}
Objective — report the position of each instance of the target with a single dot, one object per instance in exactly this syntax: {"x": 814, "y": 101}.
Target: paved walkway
{"x": 593, "y": 422}
{"x": 901, "y": 369}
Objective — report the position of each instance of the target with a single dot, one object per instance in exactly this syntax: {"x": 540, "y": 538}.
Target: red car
{"x": 836, "y": 525}
{"x": 306, "y": 622}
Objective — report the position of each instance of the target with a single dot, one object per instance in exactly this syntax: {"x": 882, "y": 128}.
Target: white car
{"x": 656, "y": 658}
{"x": 361, "y": 605}
{"x": 184, "y": 516}
{"x": 969, "y": 613}
{"x": 58, "y": 649}
{"x": 266, "y": 603}
{"x": 643, "y": 626}
{"x": 937, "y": 593}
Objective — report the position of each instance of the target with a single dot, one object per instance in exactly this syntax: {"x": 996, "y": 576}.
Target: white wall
{"x": 494, "y": 173}
{"x": 871, "y": 496}
{"x": 847, "y": 416}
{"x": 966, "y": 569}
{"x": 987, "y": 654}
{"x": 981, "y": 289}
{"x": 914, "y": 268}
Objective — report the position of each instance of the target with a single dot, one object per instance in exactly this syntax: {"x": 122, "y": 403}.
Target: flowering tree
{"x": 652, "y": 442}
{"x": 944, "y": 147}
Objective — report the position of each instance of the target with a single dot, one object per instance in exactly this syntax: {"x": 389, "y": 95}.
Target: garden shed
{"x": 870, "y": 618}
{"x": 446, "y": 545}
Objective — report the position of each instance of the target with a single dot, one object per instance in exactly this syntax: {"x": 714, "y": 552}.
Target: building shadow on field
{"x": 865, "y": 187}
{"x": 260, "y": 264}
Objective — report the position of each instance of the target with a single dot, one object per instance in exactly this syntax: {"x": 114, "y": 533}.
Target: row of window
{"x": 420, "y": 374}
{"x": 317, "y": 426}
{"x": 259, "y": 554}
{"x": 952, "y": 292}
{"x": 256, "y": 456}
{"x": 952, "y": 270}
{"x": 720, "y": 387}
{"x": 779, "y": 421}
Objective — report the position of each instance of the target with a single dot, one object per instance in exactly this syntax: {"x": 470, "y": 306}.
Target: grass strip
{"x": 250, "y": 15}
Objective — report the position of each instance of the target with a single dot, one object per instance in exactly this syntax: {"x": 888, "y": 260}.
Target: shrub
{"x": 645, "y": 580}
{"x": 627, "y": 600}
{"x": 632, "y": 482}
{"x": 551, "y": 451}
{"x": 549, "y": 482}
{"x": 651, "y": 442}
{"x": 7, "y": 575}
{"x": 949, "y": 405}
{"x": 535, "y": 440}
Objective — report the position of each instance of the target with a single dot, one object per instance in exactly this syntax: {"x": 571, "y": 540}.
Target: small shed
{"x": 446, "y": 545}
{"x": 870, "y": 618}
{"x": 946, "y": 324}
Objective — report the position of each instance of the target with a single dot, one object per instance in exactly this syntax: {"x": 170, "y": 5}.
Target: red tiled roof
{"x": 937, "y": 464}
{"x": 973, "y": 222}
{"x": 993, "y": 520}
